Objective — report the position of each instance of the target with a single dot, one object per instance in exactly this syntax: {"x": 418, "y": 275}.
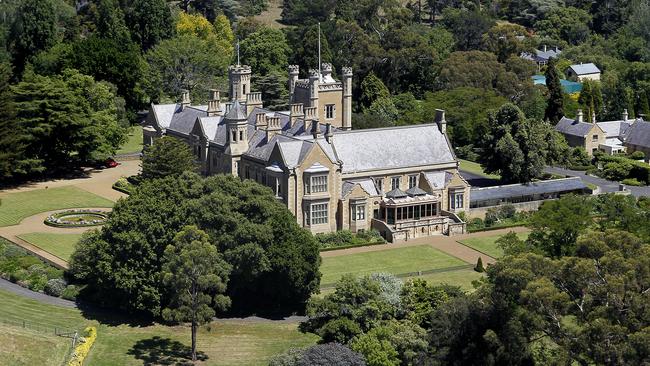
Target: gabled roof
{"x": 416, "y": 191}
{"x": 585, "y": 69}
{"x": 438, "y": 179}
{"x": 639, "y": 134}
{"x": 183, "y": 119}
{"x": 615, "y": 128}
{"x": 571, "y": 127}
{"x": 396, "y": 193}
{"x": 366, "y": 184}
{"x": 390, "y": 148}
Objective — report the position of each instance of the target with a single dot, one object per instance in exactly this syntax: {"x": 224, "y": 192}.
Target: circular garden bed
{"x": 77, "y": 218}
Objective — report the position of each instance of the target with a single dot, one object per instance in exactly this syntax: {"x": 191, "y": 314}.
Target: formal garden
{"x": 488, "y": 244}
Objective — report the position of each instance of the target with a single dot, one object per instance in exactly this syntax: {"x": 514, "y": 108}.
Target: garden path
{"x": 447, "y": 244}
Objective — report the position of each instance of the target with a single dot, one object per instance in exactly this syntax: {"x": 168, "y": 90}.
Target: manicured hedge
{"x": 346, "y": 239}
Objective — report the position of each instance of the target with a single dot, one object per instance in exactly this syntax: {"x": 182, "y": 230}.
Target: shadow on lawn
{"x": 164, "y": 351}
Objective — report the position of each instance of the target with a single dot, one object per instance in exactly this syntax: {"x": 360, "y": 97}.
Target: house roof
{"x": 639, "y": 134}
{"x": 521, "y": 190}
{"x": 367, "y": 184}
{"x": 390, "y": 148}
{"x": 585, "y": 69}
{"x": 183, "y": 119}
{"x": 615, "y": 128}
{"x": 569, "y": 126}
{"x": 396, "y": 193}
{"x": 416, "y": 191}
{"x": 438, "y": 179}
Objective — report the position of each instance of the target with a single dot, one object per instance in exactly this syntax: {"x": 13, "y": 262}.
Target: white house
{"x": 580, "y": 72}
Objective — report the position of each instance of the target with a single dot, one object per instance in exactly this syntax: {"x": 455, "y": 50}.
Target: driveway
{"x": 606, "y": 186}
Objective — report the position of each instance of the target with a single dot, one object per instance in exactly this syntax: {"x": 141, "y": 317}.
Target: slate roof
{"x": 416, "y": 191}
{"x": 396, "y": 193}
{"x": 367, "y": 184}
{"x": 585, "y": 69}
{"x": 541, "y": 55}
{"x": 569, "y": 126}
{"x": 639, "y": 134}
{"x": 438, "y": 179}
{"x": 615, "y": 128}
{"x": 164, "y": 113}
{"x": 520, "y": 190}
{"x": 389, "y": 148}
{"x": 183, "y": 120}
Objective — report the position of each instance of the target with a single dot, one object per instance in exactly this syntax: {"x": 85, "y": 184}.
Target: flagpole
{"x": 320, "y": 71}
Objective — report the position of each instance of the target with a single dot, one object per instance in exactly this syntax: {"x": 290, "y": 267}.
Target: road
{"x": 606, "y": 186}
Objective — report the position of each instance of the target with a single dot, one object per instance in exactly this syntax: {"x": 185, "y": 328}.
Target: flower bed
{"x": 77, "y": 218}
{"x": 83, "y": 347}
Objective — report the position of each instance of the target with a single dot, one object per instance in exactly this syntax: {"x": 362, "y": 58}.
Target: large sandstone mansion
{"x": 401, "y": 181}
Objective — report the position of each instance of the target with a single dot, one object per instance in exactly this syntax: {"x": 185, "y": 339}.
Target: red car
{"x": 108, "y": 163}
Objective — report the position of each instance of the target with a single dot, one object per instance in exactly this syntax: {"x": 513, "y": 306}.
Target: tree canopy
{"x": 275, "y": 262}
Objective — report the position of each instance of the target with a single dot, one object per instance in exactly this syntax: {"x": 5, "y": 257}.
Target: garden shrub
{"x": 55, "y": 287}
{"x": 70, "y": 293}
{"x": 479, "y": 266}
{"x": 123, "y": 185}
{"x": 637, "y": 155}
{"x": 345, "y": 238}
{"x": 620, "y": 167}
{"x": 37, "y": 282}
{"x": 632, "y": 182}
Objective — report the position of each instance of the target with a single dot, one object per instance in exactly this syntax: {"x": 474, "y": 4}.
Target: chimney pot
{"x": 579, "y": 115}
{"x": 441, "y": 121}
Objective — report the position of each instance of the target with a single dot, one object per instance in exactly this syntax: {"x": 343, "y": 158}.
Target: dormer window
{"x": 413, "y": 181}
{"x": 394, "y": 183}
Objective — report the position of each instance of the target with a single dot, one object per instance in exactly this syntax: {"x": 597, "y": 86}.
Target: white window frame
{"x": 457, "y": 200}
{"x": 318, "y": 213}
{"x": 392, "y": 182}
{"x": 358, "y": 212}
{"x": 413, "y": 179}
{"x": 316, "y": 184}
{"x": 332, "y": 108}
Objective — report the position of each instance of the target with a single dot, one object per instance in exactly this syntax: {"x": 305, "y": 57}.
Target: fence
{"x": 47, "y": 329}
{"x": 416, "y": 273}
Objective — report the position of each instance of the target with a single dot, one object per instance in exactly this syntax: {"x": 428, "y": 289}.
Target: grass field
{"x": 396, "y": 261}
{"x": 16, "y": 206}
{"x": 61, "y": 245}
{"x": 462, "y": 278}
{"x": 19, "y": 346}
{"x": 272, "y": 15}
{"x": 237, "y": 342}
{"x": 488, "y": 244}
{"x": 475, "y": 168}
{"x": 134, "y": 143}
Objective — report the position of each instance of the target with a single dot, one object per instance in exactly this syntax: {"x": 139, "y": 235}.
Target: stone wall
{"x": 520, "y": 207}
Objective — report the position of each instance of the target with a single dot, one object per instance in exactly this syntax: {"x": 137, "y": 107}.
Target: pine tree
{"x": 479, "y": 265}
{"x": 555, "y": 107}
{"x": 12, "y": 147}
{"x": 34, "y": 30}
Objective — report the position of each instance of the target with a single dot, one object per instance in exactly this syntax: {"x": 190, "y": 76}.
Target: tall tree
{"x": 150, "y": 21}
{"x": 519, "y": 148}
{"x": 591, "y": 99}
{"x": 372, "y": 89}
{"x": 555, "y": 107}
{"x": 33, "y": 30}
{"x": 12, "y": 135}
{"x": 111, "y": 23}
{"x": 196, "y": 277}
{"x": 266, "y": 51}
{"x": 504, "y": 40}
{"x": 168, "y": 156}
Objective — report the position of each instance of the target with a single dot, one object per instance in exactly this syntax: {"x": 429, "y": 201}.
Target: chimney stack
{"x": 294, "y": 70}
{"x": 253, "y": 100}
{"x": 296, "y": 112}
{"x": 625, "y": 115}
{"x": 579, "y": 116}
{"x": 544, "y": 48}
{"x": 315, "y": 130}
{"x": 326, "y": 70}
{"x": 185, "y": 99}
{"x": 328, "y": 133}
{"x": 228, "y": 107}
{"x": 273, "y": 127}
{"x": 441, "y": 121}
{"x": 260, "y": 120}
{"x": 593, "y": 116}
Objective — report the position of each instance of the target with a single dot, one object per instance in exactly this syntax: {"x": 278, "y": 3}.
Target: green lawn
{"x": 222, "y": 342}
{"x": 488, "y": 244}
{"x": 61, "y": 245}
{"x": 396, "y": 261}
{"x": 472, "y": 167}
{"x": 462, "y": 278}
{"x": 134, "y": 143}
{"x": 16, "y": 206}
{"x": 19, "y": 346}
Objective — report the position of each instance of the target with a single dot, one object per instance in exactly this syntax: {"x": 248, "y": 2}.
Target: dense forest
{"x": 409, "y": 57}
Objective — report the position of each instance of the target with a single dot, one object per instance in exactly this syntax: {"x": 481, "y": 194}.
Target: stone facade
{"x": 401, "y": 181}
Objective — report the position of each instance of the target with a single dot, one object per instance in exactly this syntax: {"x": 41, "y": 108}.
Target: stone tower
{"x": 239, "y": 77}
{"x": 314, "y": 85}
{"x": 346, "y": 124}
{"x": 237, "y": 128}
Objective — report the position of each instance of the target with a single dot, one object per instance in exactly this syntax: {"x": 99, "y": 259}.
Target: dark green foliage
{"x": 519, "y": 148}
{"x": 372, "y": 89}
{"x": 67, "y": 121}
{"x": 565, "y": 24}
{"x": 303, "y": 42}
{"x": 467, "y": 27}
{"x": 150, "y": 21}
{"x": 620, "y": 167}
{"x": 274, "y": 90}
{"x": 196, "y": 276}
{"x": 511, "y": 244}
{"x": 557, "y": 225}
{"x": 168, "y": 156}
{"x": 265, "y": 51}
{"x": 345, "y": 238}
{"x": 275, "y": 262}
{"x": 12, "y": 142}
{"x": 111, "y": 23}
{"x": 33, "y": 30}
{"x": 554, "y": 109}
